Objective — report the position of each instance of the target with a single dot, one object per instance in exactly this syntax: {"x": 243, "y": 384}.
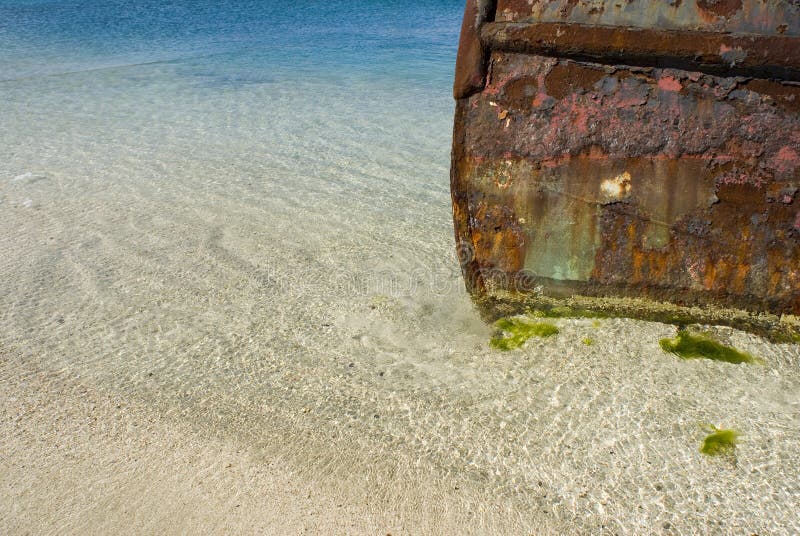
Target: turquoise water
{"x": 301, "y": 87}
{"x": 238, "y": 213}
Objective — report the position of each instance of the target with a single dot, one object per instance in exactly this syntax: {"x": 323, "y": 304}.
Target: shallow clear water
{"x": 239, "y": 213}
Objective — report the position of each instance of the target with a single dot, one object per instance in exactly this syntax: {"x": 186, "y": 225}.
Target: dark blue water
{"x": 407, "y": 41}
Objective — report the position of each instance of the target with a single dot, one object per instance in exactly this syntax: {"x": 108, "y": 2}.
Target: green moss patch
{"x": 719, "y": 442}
{"x": 696, "y": 346}
{"x": 588, "y": 341}
{"x": 515, "y": 331}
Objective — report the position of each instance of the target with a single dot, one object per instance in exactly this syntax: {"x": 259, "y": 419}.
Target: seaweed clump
{"x": 518, "y": 330}
{"x": 697, "y": 346}
{"x": 719, "y": 442}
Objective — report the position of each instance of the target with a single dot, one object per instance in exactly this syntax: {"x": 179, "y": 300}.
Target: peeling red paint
{"x": 668, "y": 83}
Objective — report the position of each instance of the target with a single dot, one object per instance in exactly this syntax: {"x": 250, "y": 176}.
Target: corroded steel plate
{"x": 762, "y": 17}
{"x": 633, "y": 149}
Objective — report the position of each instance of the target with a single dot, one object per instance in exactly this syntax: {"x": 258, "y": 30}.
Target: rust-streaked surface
{"x": 762, "y": 17}
{"x": 470, "y": 75}
{"x": 600, "y": 179}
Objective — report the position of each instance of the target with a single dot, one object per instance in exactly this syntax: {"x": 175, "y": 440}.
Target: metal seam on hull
{"x": 734, "y": 54}
{"x": 763, "y": 17}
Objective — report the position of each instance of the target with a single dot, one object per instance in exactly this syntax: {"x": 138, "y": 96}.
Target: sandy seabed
{"x": 251, "y": 329}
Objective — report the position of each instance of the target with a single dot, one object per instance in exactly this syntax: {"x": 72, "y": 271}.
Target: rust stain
{"x": 566, "y": 78}
{"x": 775, "y": 93}
{"x": 719, "y": 8}
{"x": 765, "y": 17}
{"x": 567, "y": 8}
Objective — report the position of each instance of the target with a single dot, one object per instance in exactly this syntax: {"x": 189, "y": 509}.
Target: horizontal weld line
{"x": 726, "y": 54}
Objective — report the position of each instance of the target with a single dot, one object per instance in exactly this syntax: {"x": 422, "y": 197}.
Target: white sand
{"x": 79, "y": 461}
{"x": 291, "y": 305}
{"x": 75, "y": 460}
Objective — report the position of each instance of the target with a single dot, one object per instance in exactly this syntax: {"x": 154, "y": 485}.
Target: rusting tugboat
{"x": 632, "y": 157}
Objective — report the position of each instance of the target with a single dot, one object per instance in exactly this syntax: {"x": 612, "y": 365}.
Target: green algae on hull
{"x": 563, "y": 311}
{"x": 776, "y": 329}
{"x": 696, "y": 346}
{"x": 518, "y": 330}
{"x": 719, "y": 442}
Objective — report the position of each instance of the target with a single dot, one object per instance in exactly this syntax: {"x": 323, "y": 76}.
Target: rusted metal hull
{"x": 612, "y": 161}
